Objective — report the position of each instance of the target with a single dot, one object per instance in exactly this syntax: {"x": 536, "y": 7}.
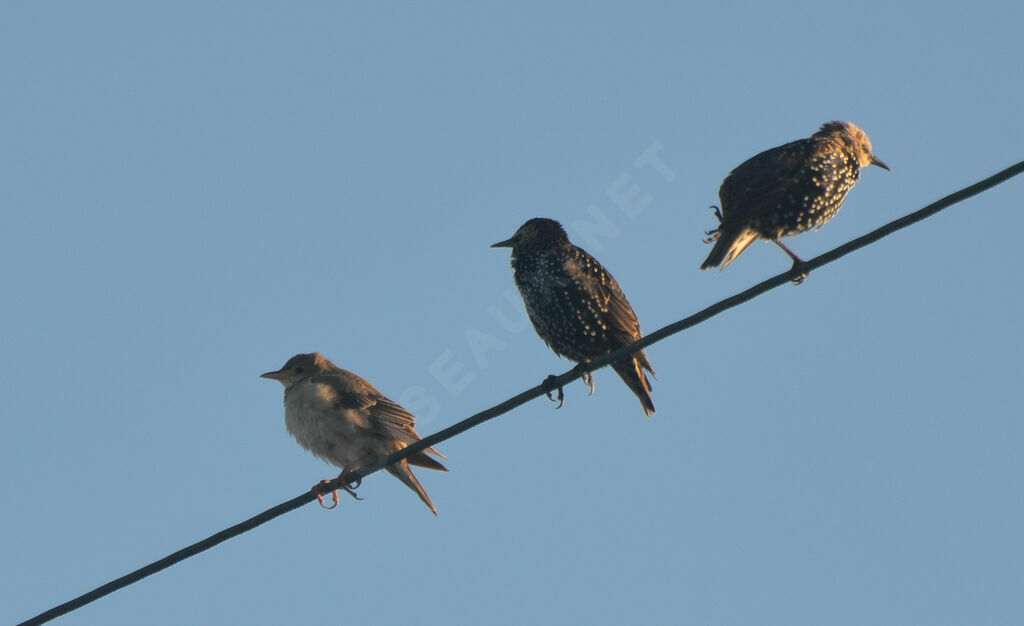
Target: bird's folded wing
{"x": 617, "y": 314}
{"x": 759, "y": 183}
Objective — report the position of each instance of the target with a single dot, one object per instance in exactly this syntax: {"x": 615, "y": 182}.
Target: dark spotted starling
{"x": 788, "y": 190}
{"x": 575, "y": 305}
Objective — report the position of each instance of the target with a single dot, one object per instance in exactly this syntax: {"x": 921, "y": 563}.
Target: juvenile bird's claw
{"x": 349, "y": 486}
{"x": 320, "y": 494}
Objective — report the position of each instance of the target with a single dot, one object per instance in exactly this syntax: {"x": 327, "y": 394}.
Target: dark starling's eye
{"x": 299, "y": 369}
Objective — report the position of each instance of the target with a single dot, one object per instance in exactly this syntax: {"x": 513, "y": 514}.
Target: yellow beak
{"x": 276, "y": 375}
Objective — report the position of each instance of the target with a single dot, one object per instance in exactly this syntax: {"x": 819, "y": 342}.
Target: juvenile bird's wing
{"x": 384, "y": 417}
{"x": 761, "y": 182}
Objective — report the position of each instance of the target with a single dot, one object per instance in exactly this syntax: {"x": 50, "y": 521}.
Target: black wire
{"x": 526, "y": 396}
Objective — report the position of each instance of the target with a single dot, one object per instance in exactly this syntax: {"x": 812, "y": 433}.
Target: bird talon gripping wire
{"x": 586, "y": 376}
{"x": 349, "y": 484}
{"x": 549, "y": 386}
{"x": 320, "y": 495}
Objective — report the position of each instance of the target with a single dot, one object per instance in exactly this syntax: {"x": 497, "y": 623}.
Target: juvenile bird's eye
{"x": 299, "y": 369}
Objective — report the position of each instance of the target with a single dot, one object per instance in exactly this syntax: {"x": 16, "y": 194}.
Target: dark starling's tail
{"x": 402, "y": 472}
{"x": 632, "y": 373}
{"x": 729, "y": 243}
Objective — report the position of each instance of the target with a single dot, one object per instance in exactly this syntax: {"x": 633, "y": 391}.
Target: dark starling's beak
{"x": 278, "y": 375}
{"x": 508, "y": 243}
{"x": 877, "y": 161}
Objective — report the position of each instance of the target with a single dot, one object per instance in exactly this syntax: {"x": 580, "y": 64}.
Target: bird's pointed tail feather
{"x": 632, "y": 373}
{"x": 402, "y": 472}
{"x": 730, "y": 244}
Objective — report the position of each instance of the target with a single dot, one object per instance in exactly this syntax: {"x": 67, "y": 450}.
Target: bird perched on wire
{"x": 788, "y": 190}
{"x": 345, "y": 421}
{"x": 575, "y": 305}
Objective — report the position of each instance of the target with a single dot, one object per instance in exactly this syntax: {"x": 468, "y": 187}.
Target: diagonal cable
{"x": 526, "y": 396}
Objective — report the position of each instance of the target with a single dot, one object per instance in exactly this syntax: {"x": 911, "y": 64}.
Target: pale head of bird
{"x": 299, "y": 367}
{"x": 539, "y": 233}
{"x": 856, "y": 140}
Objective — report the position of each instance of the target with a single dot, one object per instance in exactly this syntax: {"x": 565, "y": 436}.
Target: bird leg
{"x": 548, "y": 386}
{"x": 714, "y": 233}
{"x": 348, "y": 485}
{"x": 796, "y": 274}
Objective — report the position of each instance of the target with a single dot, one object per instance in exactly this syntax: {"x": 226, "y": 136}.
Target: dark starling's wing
{"x": 761, "y": 182}
{"x": 597, "y": 285}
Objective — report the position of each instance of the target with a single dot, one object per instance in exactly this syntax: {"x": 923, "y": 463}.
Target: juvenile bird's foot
{"x": 349, "y": 486}
{"x": 549, "y": 386}
{"x": 318, "y": 489}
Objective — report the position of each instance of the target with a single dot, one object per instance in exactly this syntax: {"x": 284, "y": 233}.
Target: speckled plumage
{"x": 576, "y": 306}
{"x": 346, "y": 421}
{"x": 789, "y": 190}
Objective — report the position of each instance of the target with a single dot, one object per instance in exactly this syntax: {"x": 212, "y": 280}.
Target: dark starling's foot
{"x": 548, "y": 386}
{"x": 797, "y": 275}
{"x": 714, "y": 233}
{"x": 588, "y": 378}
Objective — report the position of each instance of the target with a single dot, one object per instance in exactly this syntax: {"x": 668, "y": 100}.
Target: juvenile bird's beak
{"x": 508, "y": 243}
{"x": 877, "y": 161}
{"x": 276, "y": 375}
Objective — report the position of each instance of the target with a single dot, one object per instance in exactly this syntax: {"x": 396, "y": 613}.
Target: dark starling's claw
{"x": 797, "y": 275}
{"x": 588, "y": 380}
{"x": 549, "y": 385}
{"x": 718, "y": 214}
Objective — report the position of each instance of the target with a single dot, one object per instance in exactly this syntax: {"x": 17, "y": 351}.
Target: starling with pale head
{"x": 788, "y": 190}
{"x": 575, "y": 305}
{"x": 345, "y": 421}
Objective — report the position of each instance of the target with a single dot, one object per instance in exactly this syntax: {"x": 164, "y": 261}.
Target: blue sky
{"x": 193, "y": 193}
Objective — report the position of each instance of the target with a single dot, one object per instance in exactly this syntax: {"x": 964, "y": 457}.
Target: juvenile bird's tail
{"x": 729, "y": 243}
{"x": 632, "y": 373}
{"x": 402, "y": 472}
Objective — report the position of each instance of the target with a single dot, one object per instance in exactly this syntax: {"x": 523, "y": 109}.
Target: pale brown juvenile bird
{"x": 345, "y": 421}
{"x": 575, "y": 304}
{"x": 789, "y": 190}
